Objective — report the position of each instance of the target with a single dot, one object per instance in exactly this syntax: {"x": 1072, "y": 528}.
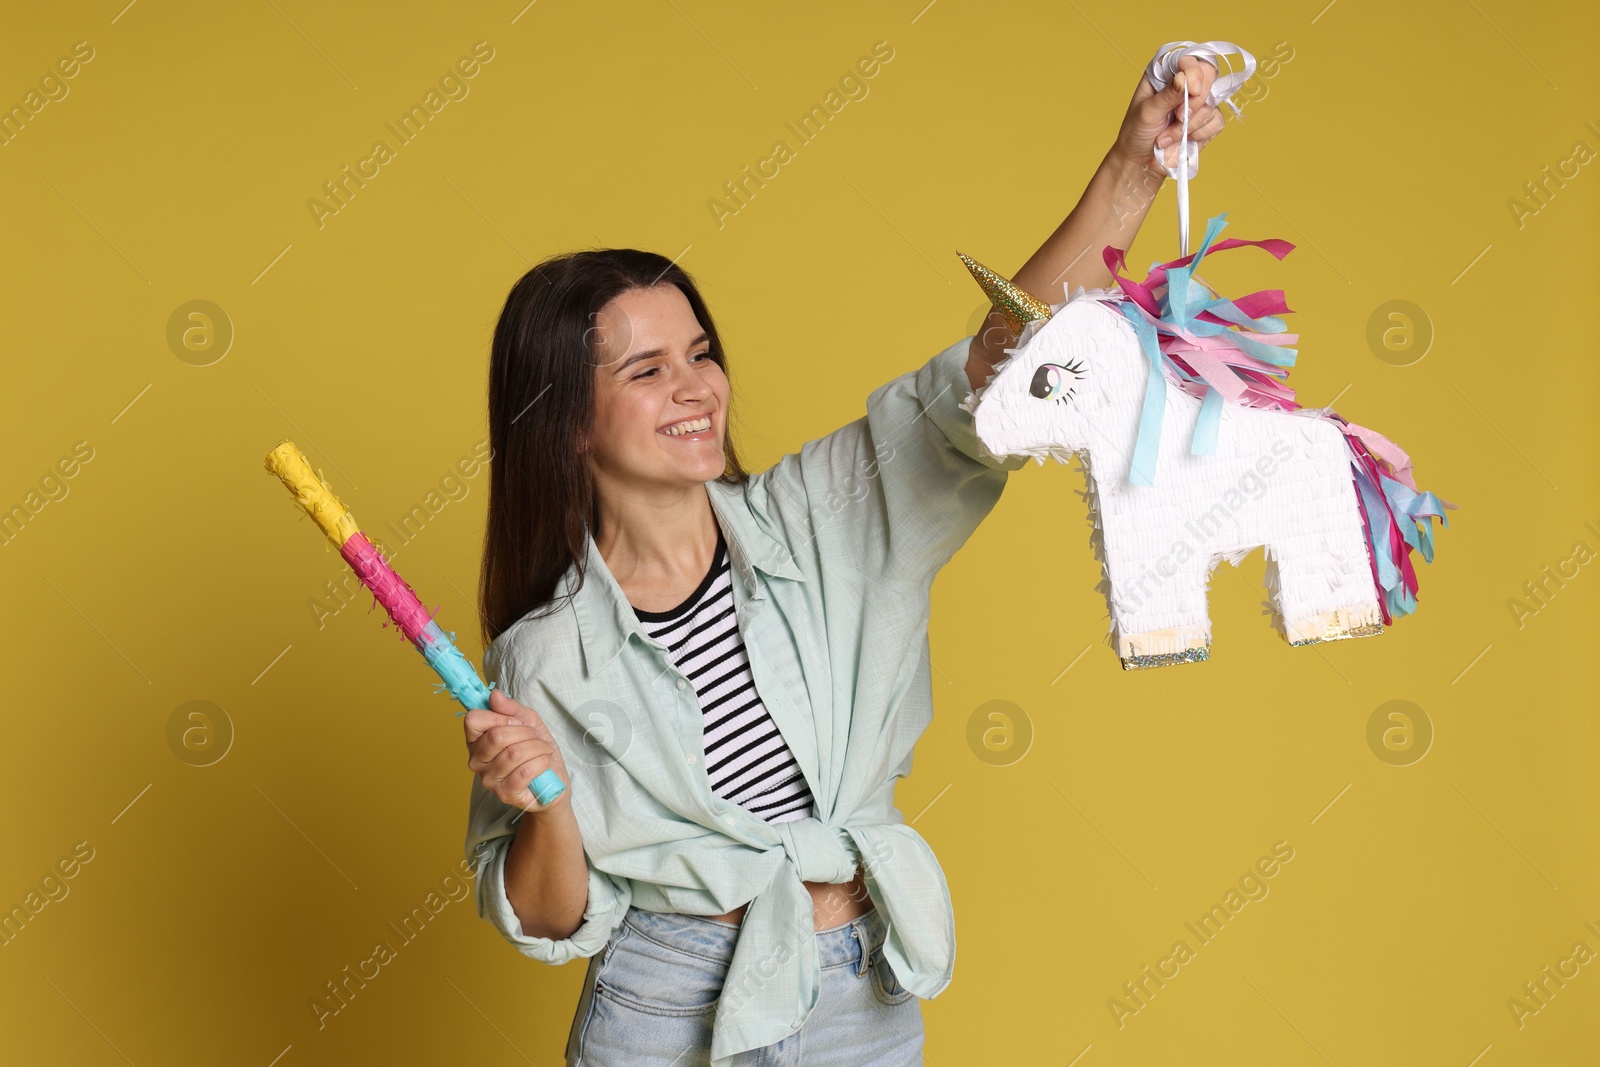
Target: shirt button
{"x": 689, "y": 758}
{"x": 681, "y": 683}
{"x": 728, "y": 819}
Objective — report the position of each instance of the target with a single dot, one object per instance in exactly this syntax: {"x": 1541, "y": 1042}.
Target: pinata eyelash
{"x": 1048, "y": 386}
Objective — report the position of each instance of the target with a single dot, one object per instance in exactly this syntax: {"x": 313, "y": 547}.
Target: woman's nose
{"x": 686, "y": 384}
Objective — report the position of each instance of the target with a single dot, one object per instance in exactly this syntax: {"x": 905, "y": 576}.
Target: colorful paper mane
{"x": 1166, "y": 375}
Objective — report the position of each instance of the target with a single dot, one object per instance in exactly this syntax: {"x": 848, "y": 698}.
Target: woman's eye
{"x": 652, "y": 370}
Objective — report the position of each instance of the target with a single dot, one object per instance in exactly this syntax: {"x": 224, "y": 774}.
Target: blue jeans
{"x": 651, "y": 993}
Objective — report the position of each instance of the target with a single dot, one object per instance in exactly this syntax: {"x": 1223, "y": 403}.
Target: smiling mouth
{"x": 697, "y": 429}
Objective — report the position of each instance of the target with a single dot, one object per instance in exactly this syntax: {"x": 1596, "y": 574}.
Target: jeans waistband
{"x": 848, "y": 942}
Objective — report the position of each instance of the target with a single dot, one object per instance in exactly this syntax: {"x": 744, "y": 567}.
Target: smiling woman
{"x": 736, "y": 664}
{"x": 660, "y": 407}
{"x": 595, "y": 352}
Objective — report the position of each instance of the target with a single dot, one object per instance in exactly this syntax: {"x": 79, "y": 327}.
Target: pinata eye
{"x": 1053, "y": 381}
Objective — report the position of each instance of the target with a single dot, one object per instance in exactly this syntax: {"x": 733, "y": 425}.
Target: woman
{"x": 730, "y": 670}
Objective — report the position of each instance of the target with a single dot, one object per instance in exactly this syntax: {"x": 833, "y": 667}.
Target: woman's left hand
{"x": 1155, "y": 120}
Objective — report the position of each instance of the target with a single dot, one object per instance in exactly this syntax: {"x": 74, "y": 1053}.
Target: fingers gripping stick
{"x": 1161, "y": 70}
{"x": 397, "y": 598}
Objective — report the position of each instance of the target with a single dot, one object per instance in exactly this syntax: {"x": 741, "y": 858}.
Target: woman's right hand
{"x": 509, "y": 746}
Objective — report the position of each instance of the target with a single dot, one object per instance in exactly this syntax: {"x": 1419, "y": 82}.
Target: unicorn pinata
{"x": 1165, "y": 376}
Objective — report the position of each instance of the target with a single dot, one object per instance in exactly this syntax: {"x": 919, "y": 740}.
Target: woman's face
{"x": 660, "y": 400}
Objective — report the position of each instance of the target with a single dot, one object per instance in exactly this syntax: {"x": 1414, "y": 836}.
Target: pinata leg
{"x": 1162, "y": 648}
{"x": 1165, "y": 622}
{"x": 1334, "y": 626}
{"x": 1318, "y": 596}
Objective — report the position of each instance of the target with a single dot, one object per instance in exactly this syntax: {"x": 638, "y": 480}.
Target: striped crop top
{"x": 747, "y": 759}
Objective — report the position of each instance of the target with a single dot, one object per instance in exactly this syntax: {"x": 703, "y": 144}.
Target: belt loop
{"x": 861, "y": 947}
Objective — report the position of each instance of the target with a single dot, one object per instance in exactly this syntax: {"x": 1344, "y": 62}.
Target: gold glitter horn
{"x": 1018, "y": 307}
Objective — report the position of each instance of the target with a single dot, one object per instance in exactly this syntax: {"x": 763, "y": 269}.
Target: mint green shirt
{"x": 833, "y": 552}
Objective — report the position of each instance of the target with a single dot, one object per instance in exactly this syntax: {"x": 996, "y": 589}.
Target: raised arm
{"x": 896, "y": 493}
{"x": 1112, "y": 206}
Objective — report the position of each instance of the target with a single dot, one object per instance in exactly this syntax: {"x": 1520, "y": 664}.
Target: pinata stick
{"x": 412, "y": 619}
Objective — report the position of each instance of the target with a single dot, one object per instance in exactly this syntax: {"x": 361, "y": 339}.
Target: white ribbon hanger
{"x": 1161, "y": 70}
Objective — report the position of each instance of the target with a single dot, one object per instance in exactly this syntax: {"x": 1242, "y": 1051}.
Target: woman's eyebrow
{"x": 651, "y": 353}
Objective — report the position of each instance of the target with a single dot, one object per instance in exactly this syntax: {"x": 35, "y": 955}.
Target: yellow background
{"x": 221, "y": 898}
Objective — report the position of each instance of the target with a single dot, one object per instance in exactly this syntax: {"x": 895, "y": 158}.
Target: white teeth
{"x": 678, "y": 429}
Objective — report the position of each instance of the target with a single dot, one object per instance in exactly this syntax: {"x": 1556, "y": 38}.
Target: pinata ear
{"x": 1018, "y": 307}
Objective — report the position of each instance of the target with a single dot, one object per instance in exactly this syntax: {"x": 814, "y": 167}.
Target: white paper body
{"x": 1279, "y": 480}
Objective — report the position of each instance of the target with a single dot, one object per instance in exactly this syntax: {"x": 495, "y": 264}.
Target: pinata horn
{"x": 1018, "y": 307}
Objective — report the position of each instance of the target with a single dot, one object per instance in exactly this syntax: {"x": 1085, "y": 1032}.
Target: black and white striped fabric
{"x": 747, "y": 759}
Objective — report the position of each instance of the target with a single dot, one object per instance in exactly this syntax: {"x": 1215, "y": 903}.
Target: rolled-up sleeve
{"x": 608, "y": 897}
{"x": 940, "y": 386}
{"x": 492, "y": 826}
{"x": 899, "y": 490}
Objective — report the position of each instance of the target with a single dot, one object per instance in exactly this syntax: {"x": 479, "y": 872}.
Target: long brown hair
{"x": 542, "y": 501}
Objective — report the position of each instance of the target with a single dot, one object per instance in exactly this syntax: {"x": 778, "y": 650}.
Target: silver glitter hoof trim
{"x": 1166, "y": 659}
